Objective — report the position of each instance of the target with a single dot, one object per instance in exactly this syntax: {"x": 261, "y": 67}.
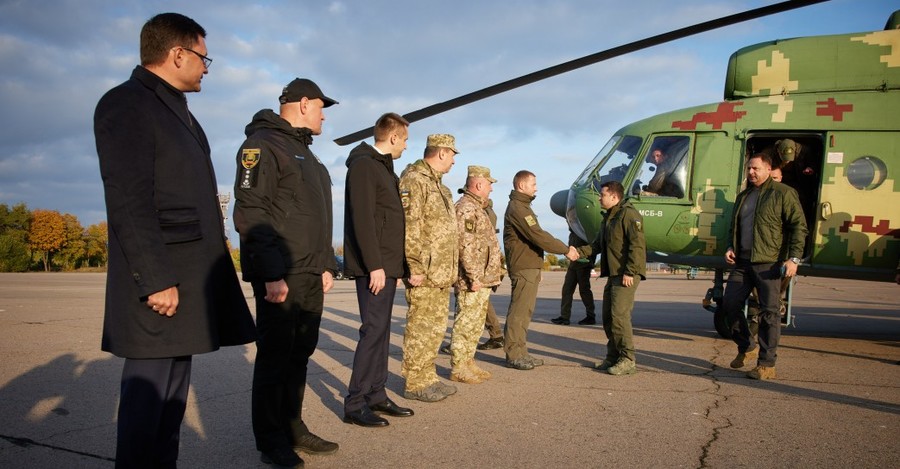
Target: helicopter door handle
{"x": 826, "y": 211}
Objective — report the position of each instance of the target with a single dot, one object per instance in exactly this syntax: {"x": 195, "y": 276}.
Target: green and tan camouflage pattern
{"x": 480, "y": 258}
{"x": 844, "y": 91}
{"x": 426, "y": 322}
{"x": 468, "y": 325}
{"x": 431, "y": 232}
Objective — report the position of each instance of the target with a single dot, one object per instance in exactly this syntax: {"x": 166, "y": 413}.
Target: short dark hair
{"x": 614, "y": 187}
{"x": 765, "y": 157}
{"x": 165, "y": 31}
{"x": 521, "y": 176}
{"x": 387, "y": 124}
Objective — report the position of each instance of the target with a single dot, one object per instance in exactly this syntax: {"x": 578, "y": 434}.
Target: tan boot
{"x": 743, "y": 359}
{"x": 477, "y": 371}
{"x": 762, "y": 373}
{"x": 463, "y": 374}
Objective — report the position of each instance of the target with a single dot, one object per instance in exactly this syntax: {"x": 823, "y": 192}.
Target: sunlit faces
{"x": 313, "y": 114}
{"x": 446, "y": 160}
{"x": 193, "y": 65}
{"x": 608, "y": 199}
{"x": 528, "y": 186}
{"x": 757, "y": 171}
{"x": 398, "y": 142}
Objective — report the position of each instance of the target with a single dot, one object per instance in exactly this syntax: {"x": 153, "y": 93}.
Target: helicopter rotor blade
{"x": 635, "y": 46}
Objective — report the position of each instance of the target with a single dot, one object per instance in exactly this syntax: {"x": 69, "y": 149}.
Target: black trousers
{"x": 580, "y": 276}
{"x": 766, "y": 278}
{"x": 370, "y": 362}
{"x": 151, "y": 408}
{"x": 287, "y": 336}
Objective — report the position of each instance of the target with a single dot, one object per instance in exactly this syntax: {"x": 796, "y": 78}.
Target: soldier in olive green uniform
{"x": 432, "y": 254}
{"x": 480, "y": 268}
{"x": 525, "y": 242}
{"x": 623, "y": 259}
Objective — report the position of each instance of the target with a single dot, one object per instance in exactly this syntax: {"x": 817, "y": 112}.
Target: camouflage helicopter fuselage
{"x": 837, "y": 97}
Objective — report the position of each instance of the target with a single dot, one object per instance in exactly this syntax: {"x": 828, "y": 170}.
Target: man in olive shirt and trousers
{"x": 525, "y": 242}
{"x": 768, "y": 234}
{"x": 623, "y": 260}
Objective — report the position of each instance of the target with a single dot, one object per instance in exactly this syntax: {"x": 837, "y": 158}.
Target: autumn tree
{"x": 72, "y": 253}
{"x": 47, "y": 234}
{"x": 15, "y": 255}
{"x": 96, "y": 239}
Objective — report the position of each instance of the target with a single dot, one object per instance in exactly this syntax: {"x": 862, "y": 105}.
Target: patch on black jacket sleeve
{"x": 249, "y": 161}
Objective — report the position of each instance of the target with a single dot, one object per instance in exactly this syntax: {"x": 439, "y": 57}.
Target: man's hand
{"x": 475, "y": 286}
{"x": 790, "y": 269}
{"x": 627, "y": 280}
{"x": 164, "y": 302}
{"x": 277, "y": 291}
{"x": 572, "y": 255}
{"x": 729, "y": 256}
{"x": 376, "y": 281}
{"x": 327, "y": 281}
{"x": 416, "y": 280}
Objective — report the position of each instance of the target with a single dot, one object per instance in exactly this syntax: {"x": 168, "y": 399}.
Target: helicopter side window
{"x": 616, "y": 165}
{"x": 664, "y": 168}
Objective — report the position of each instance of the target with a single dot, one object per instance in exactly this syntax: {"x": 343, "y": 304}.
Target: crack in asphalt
{"x": 719, "y": 400}
{"x": 27, "y": 442}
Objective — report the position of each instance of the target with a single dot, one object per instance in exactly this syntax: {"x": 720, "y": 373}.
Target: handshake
{"x": 572, "y": 255}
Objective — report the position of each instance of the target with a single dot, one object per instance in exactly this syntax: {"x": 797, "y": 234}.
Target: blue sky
{"x": 58, "y": 57}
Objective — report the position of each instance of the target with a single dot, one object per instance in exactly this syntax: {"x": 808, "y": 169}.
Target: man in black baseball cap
{"x": 301, "y": 88}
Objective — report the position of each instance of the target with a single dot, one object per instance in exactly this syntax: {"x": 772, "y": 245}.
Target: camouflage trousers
{"x": 426, "y": 322}
{"x": 471, "y": 311}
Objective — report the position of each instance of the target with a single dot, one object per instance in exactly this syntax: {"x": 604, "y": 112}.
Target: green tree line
{"x": 48, "y": 240}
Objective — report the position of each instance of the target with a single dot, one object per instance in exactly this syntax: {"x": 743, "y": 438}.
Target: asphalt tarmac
{"x": 835, "y": 403}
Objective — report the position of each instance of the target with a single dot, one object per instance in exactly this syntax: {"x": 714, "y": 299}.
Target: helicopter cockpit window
{"x": 616, "y": 157}
{"x": 664, "y": 168}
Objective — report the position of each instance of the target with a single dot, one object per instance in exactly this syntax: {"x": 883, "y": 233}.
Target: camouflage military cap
{"x": 442, "y": 140}
{"x": 787, "y": 149}
{"x": 480, "y": 172}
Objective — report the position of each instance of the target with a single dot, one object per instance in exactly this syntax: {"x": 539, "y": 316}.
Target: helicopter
{"x": 831, "y": 99}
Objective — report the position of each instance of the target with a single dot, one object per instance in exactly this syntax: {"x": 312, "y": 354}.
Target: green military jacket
{"x": 480, "y": 259}
{"x": 620, "y": 243}
{"x": 778, "y": 215}
{"x": 523, "y": 238}
{"x": 431, "y": 233}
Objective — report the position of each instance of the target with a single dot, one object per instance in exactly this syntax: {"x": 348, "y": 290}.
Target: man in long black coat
{"x": 172, "y": 290}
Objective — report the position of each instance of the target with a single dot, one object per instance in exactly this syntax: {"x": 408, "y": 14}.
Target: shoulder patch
{"x": 404, "y": 198}
{"x": 470, "y": 225}
{"x": 530, "y": 220}
{"x": 638, "y": 225}
{"x": 249, "y": 157}
{"x": 249, "y": 160}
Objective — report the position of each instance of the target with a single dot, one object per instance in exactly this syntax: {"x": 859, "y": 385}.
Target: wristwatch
{"x": 795, "y": 260}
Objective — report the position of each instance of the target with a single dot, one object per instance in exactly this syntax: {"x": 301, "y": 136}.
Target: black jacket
{"x": 282, "y": 206}
{"x": 165, "y": 227}
{"x": 374, "y": 224}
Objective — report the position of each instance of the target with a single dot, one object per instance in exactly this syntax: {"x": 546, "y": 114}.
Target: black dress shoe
{"x": 587, "y": 322}
{"x": 281, "y": 457}
{"x": 365, "y": 418}
{"x": 391, "y": 408}
{"x": 560, "y": 320}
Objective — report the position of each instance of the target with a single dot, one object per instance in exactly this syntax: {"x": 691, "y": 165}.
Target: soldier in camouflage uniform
{"x": 525, "y": 242}
{"x": 432, "y": 254}
{"x": 480, "y": 268}
{"x": 491, "y": 322}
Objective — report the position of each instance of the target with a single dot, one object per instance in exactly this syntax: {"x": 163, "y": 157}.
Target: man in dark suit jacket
{"x": 172, "y": 290}
{"x": 374, "y": 227}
